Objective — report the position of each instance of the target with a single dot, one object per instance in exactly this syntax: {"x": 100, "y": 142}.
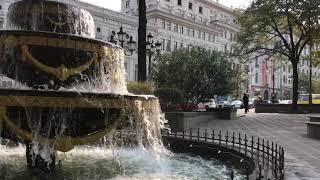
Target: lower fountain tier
{"x": 63, "y": 119}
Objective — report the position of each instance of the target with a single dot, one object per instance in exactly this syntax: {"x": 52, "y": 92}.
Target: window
{"x": 200, "y": 9}
{"x": 225, "y": 34}
{"x": 180, "y": 29}
{"x": 181, "y": 45}
{"x": 127, "y": 4}
{"x": 179, "y": 2}
{"x": 192, "y": 32}
{"x": 98, "y": 29}
{"x": 168, "y": 48}
{"x": 257, "y": 78}
{"x": 163, "y": 44}
{"x": 175, "y": 46}
{"x": 257, "y": 63}
{"x": 175, "y": 27}
{"x": 190, "y": 5}
{"x": 188, "y": 31}
{"x": 284, "y": 68}
{"x": 163, "y": 24}
{"x": 225, "y": 48}
{"x": 204, "y": 36}
{"x": 168, "y": 26}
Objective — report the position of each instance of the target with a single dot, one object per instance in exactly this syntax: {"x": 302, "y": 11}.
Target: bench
{"x": 313, "y": 129}
{"x": 314, "y": 117}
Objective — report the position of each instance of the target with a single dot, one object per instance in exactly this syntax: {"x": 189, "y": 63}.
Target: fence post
{"x": 268, "y": 153}
{"x": 252, "y": 146}
{"x": 272, "y": 152}
{"x": 258, "y": 150}
{"x": 213, "y": 135}
{"x": 245, "y": 144}
{"x": 205, "y": 135}
{"x": 260, "y": 172}
{"x": 198, "y": 134}
{"x": 183, "y": 134}
{"x": 239, "y": 142}
{"x": 220, "y": 138}
{"x": 233, "y": 140}
{"x": 263, "y": 153}
{"x": 227, "y": 139}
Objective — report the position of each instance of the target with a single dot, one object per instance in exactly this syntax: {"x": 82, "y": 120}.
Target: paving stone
{"x": 302, "y": 158}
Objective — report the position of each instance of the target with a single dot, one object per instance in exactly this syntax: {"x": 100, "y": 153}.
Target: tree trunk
{"x": 295, "y": 86}
{"x": 142, "y": 33}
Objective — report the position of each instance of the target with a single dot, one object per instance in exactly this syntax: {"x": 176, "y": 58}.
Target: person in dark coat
{"x": 245, "y": 103}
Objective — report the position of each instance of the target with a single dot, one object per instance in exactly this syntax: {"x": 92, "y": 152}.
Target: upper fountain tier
{"x": 51, "y": 45}
{"x": 50, "y": 16}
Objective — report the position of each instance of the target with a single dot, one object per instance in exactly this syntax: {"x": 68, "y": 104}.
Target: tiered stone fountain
{"x": 66, "y": 88}
{"x": 60, "y": 88}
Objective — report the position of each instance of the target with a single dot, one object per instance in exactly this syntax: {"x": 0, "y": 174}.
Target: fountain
{"x": 60, "y": 89}
{"x": 69, "y": 89}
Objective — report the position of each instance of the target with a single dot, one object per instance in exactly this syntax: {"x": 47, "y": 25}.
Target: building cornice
{"x": 189, "y": 23}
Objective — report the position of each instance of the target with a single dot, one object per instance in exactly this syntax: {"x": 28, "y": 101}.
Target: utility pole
{"x": 142, "y": 33}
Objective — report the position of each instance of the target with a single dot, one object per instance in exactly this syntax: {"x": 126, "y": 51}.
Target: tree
{"x": 197, "y": 73}
{"x": 279, "y": 26}
{"x": 142, "y": 33}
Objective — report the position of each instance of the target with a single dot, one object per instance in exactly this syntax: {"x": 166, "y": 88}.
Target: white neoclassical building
{"x": 183, "y": 24}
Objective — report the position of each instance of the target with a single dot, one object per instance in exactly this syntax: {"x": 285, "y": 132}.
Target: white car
{"x": 209, "y": 103}
{"x": 223, "y": 104}
{"x": 285, "y": 102}
{"x": 237, "y": 104}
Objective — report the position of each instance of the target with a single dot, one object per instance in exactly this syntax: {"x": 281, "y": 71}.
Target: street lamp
{"x": 130, "y": 45}
{"x": 151, "y": 48}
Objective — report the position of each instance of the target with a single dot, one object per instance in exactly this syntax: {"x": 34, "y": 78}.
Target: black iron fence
{"x": 267, "y": 156}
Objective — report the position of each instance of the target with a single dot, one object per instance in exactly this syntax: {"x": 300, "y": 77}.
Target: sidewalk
{"x": 288, "y": 130}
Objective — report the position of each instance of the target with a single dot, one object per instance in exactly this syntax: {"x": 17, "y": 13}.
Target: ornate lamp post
{"x": 151, "y": 48}
{"x": 129, "y": 45}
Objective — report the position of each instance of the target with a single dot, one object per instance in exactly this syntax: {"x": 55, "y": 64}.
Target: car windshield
{"x": 206, "y": 101}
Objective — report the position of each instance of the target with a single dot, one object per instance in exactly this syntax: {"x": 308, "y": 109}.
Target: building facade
{"x": 185, "y": 24}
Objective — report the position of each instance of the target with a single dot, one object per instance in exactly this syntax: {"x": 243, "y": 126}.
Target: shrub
{"x": 140, "y": 88}
{"x": 169, "y": 98}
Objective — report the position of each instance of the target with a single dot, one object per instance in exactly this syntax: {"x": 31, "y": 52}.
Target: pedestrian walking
{"x": 245, "y": 102}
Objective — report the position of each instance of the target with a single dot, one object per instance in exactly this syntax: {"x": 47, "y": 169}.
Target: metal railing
{"x": 267, "y": 156}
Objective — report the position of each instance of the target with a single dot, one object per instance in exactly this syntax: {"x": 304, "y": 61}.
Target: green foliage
{"x": 304, "y": 84}
{"x": 169, "y": 95}
{"x": 140, "y": 88}
{"x": 196, "y": 73}
{"x": 169, "y": 98}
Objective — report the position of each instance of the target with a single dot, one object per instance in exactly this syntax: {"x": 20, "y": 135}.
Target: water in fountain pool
{"x": 85, "y": 163}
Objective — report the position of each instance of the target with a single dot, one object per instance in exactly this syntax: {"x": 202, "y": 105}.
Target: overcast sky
{"x": 116, "y": 4}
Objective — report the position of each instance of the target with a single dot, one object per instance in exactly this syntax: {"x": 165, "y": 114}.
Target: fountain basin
{"x": 88, "y": 116}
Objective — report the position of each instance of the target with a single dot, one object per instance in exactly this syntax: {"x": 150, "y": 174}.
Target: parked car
{"x": 209, "y": 103}
{"x": 223, "y": 104}
{"x": 237, "y": 104}
{"x": 187, "y": 106}
{"x": 285, "y": 102}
